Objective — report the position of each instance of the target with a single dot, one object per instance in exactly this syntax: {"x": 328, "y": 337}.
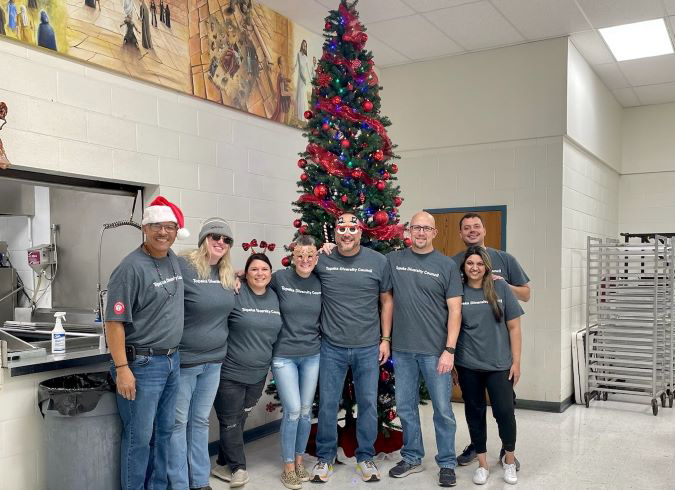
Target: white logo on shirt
{"x": 349, "y": 269}
{"x": 159, "y": 284}
{"x": 205, "y": 281}
{"x": 482, "y": 302}
{"x": 419, "y": 271}
{"x": 256, "y": 310}
{"x": 299, "y": 291}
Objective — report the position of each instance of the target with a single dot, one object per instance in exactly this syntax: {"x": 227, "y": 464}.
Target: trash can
{"x": 82, "y": 432}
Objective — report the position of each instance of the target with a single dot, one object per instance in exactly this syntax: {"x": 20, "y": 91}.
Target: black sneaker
{"x": 447, "y": 478}
{"x": 403, "y": 468}
{"x": 467, "y": 456}
{"x": 502, "y": 453}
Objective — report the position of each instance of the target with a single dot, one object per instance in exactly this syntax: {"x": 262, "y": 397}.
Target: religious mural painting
{"x": 234, "y": 52}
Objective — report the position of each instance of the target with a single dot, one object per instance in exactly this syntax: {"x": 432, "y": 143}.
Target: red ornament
{"x": 328, "y": 26}
{"x": 344, "y": 198}
{"x": 357, "y": 174}
{"x": 315, "y": 132}
{"x": 271, "y": 247}
{"x": 367, "y": 105}
{"x": 384, "y": 375}
{"x": 345, "y": 143}
{"x": 308, "y": 114}
{"x": 397, "y": 201}
{"x": 336, "y": 100}
{"x": 320, "y": 191}
{"x": 303, "y": 230}
{"x": 380, "y": 185}
{"x": 407, "y": 242}
{"x": 378, "y": 155}
{"x": 297, "y": 223}
{"x": 325, "y": 126}
{"x": 391, "y": 414}
{"x": 291, "y": 246}
{"x": 385, "y": 176}
{"x": 304, "y": 177}
{"x": 394, "y": 168}
{"x": 285, "y": 261}
{"x": 350, "y": 86}
{"x": 362, "y": 198}
{"x": 381, "y": 218}
{"x": 302, "y": 162}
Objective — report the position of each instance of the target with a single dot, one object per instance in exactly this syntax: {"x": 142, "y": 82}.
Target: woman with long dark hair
{"x": 488, "y": 358}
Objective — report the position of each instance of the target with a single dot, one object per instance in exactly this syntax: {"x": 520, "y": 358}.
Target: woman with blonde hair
{"x": 487, "y": 357}
{"x": 209, "y": 281}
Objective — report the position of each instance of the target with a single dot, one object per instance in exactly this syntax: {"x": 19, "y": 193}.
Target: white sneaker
{"x": 239, "y": 478}
{"x": 510, "y": 475}
{"x": 368, "y": 470}
{"x": 222, "y": 472}
{"x": 480, "y": 476}
{"x": 321, "y": 472}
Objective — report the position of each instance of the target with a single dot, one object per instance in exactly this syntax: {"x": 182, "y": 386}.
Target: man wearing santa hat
{"x": 144, "y": 325}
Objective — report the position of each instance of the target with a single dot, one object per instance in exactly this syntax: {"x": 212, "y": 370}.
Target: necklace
{"x": 161, "y": 279}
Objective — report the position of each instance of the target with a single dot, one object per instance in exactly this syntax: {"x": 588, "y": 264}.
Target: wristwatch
{"x": 450, "y": 350}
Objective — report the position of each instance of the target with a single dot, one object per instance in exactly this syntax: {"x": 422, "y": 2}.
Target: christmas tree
{"x": 348, "y": 165}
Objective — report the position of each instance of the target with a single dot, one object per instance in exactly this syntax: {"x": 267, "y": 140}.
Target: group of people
{"x": 18, "y": 22}
{"x": 186, "y": 335}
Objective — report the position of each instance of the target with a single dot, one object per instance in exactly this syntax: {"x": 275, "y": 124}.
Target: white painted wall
{"x": 74, "y": 119}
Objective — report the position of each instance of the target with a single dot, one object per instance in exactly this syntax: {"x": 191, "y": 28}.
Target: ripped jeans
{"x": 295, "y": 379}
{"x": 234, "y": 401}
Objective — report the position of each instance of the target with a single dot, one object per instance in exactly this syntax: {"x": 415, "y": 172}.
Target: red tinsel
{"x": 353, "y": 28}
{"x": 329, "y": 206}
{"x": 333, "y": 166}
{"x": 385, "y": 232}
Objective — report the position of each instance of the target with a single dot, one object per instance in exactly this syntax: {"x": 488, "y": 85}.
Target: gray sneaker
{"x": 368, "y": 470}
{"x": 222, "y": 472}
{"x": 403, "y": 469}
{"x": 239, "y": 478}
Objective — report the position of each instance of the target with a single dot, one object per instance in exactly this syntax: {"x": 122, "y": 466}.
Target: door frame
{"x": 477, "y": 209}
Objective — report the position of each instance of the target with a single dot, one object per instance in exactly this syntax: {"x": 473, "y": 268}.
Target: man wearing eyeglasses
{"x": 427, "y": 314}
{"x": 504, "y": 267}
{"x": 355, "y": 285}
{"x": 144, "y": 325}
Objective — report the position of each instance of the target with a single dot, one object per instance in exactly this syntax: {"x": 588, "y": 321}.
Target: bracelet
{"x": 121, "y": 366}
{"x": 383, "y": 338}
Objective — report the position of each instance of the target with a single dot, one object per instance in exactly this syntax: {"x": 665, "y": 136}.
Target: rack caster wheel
{"x": 604, "y": 396}
{"x": 655, "y": 406}
{"x": 670, "y": 400}
{"x": 587, "y": 400}
{"x": 663, "y": 400}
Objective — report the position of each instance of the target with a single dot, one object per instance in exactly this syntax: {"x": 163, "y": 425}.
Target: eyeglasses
{"x": 170, "y": 227}
{"x": 217, "y": 237}
{"x": 352, "y": 230}
{"x": 425, "y": 229}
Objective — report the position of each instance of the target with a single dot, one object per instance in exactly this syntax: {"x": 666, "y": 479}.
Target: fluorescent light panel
{"x": 638, "y": 40}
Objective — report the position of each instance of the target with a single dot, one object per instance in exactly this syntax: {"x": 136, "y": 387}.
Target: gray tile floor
{"x": 612, "y": 445}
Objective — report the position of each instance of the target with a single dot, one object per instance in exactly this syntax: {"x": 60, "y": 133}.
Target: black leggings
{"x": 473, "y": 384}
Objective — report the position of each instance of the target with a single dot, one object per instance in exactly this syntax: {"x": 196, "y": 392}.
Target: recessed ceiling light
{"x": 638, "y": 40}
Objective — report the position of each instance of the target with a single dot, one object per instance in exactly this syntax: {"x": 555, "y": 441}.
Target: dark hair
{"x": 257, "y": 256}
{"x": 305, "y": 241}
{"x": 470, "y": 215}
{"x": 488, "y": 284}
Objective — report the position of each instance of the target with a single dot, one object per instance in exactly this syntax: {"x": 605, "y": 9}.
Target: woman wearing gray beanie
{"x": 209, "y": 281}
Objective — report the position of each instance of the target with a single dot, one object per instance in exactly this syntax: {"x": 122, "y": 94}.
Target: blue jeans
{"x": 190, "y": 464}
{"x": 296, "y": 379}
{"x": 407, "y": 368}
{"x": 365, "y": 370}
{"x": 147, "y": 422}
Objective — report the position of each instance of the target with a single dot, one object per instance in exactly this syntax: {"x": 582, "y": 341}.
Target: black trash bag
{"x": 74, "y": 394}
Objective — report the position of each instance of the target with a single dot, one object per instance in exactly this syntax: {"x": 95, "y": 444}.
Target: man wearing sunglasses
{"x": 144, "y": 325}
{"x": 355, "y": 287}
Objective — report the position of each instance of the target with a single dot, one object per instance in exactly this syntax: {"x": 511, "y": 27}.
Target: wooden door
{"x": 449, "y": 242}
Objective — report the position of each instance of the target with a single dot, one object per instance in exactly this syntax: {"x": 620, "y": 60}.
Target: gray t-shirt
{"x": 207, "y": 306}
{"x": 300, "y": 303}
{"x": 351, "y": 288}
{"x": 503, "y": 264}
{"x": 254, "y": 323}
{"x": 422, "y": 285}
{"x": 484, "y": 343}
{"x": 146, "y": 294}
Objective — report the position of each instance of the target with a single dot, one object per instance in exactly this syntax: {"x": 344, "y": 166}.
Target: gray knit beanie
{"x": 214, "y": 225}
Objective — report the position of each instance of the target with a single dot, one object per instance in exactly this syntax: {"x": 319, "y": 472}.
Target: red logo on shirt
{"x": 119, "y": 308}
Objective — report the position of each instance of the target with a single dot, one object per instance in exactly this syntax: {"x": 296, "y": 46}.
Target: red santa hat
{"x": 162, "y": 210}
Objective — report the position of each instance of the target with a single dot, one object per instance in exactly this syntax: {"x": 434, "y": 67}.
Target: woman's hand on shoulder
{"x": 327, "y": 248}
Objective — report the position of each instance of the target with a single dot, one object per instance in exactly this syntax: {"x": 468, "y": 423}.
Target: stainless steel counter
{"x": 51, "y": 362}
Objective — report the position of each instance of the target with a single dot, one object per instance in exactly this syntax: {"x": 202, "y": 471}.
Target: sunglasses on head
{"x": 217, "y": 237}
{"x": 352, "y": 230}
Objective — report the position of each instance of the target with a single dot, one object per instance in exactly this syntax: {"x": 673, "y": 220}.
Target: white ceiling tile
{"x": 649, "y": 71}
{"x": 429, "y": 5}
{"x": 383, "y": 55}
{"x": 626, "y": 97}
{"x": 656, "y": 94}
{"x": 592, "y": 47}
{"x": 611, "y": 76}
{"x": 415, "y": 37}
{"x": 606, "y": 13}
{"x": 542, "y": 19}
{"x": 670, "y": 6}
{"x": 374, "y": 10}
{"x": 475, "y": 26}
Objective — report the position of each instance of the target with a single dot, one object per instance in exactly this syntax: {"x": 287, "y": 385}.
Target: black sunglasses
{"x": 216, "y": 238}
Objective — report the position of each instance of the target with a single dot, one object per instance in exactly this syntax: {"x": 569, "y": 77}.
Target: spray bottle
{"x": 59, "y": 334}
